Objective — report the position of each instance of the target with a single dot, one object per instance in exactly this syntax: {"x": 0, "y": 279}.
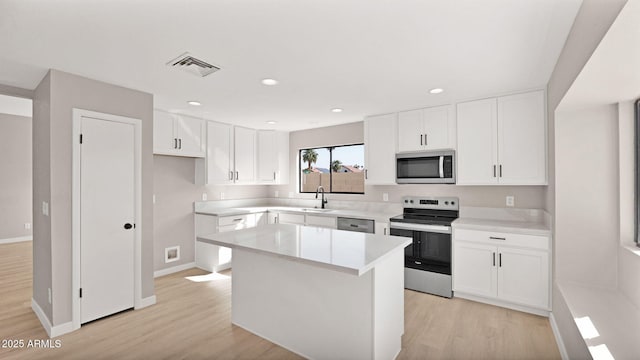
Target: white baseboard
{"x": 173, "y": 269}
{"x": 16, "y": 239}
{"x": 556, "y": 333}
{"x": 504, "y": 304}
{"x": 148, "y": 301}
{"x": 52, "y": 331}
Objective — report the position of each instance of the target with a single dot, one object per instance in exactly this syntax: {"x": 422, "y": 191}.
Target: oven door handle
{"x": 441, "y": 166}
{"x": 441, "y": 229}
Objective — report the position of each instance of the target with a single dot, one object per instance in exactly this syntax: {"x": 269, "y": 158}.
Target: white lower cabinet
{"x": 287, "y": 218}
{"x": 381, "y": 228}
{"x": 321, "y": 221}
{"x": 216, "y": 258}
{"x": 506, "y": 269}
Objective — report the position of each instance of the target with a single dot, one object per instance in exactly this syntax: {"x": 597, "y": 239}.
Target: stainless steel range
{"x": 427, "y": 261}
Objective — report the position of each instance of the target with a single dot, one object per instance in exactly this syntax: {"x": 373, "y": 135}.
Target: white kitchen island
{"x": 321, "y": 293}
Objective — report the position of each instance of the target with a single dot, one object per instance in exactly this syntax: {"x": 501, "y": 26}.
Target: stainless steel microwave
{"x": 426, "y": 167}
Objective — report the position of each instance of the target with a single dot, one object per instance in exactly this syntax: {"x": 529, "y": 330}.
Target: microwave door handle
{"x": 441, "y": 167}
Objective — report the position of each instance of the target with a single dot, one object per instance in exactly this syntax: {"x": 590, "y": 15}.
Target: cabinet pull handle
{"x": 385, "y": 231}
{"x": 500, "y": 170}
{"x": 366, "y": 174}
{"x": 500, "y": 260}
{"x": 494, "y": 171}
{"x": 274, "y": 176}
{"x": 237, "y": 175}
{"x": 425, "y": 140}
{"x": 175, "y": 143}
{"x": 230, "y": 175}
{"x": 180, "y": 144}
{"x": 421, "y": 139}
{"x": 494, "y": 258}
{"x": 240, "y": 219}
{"x": 497, "y": 238}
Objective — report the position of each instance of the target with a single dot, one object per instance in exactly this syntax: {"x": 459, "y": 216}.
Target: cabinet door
{"x": 282, "y": 142}
{"x": 474, "y": 269}
{"x": 285, "y": 218}
{"x": 439, "y": 128}
{"x": 190, "y": 133}
{"x": 522, "y": 147}
{"x": 321, "y": 221}
{"x": 411, "y": 130}
{"x": 164, "y": 142}
{"x": 245, "y": 154}
{"x": 477, "y": 144}
{"x": 219, "y": 153}
{"x": 380, "y": 149}
{"x": 267, "y": 156}
{"x": 381, "y": 228}
{"x": 272, "y": 218}
{"x": 523, "y": 276}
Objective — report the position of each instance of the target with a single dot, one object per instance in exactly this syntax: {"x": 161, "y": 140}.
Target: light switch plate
{"x": 221, "y": 196}
{"x": 45, "y": 208}
{"x": 385, "y": 197}
{"x": 204, "y": 196}
{"x": 27, "y": 226}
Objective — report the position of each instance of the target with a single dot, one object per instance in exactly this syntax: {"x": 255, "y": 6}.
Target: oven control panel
{"x": 423, "y": 202}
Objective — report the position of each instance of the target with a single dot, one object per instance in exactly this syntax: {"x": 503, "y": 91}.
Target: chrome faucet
{"x": 323, "y": 201}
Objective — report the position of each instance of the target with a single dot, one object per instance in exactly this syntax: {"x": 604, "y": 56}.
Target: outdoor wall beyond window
{"x": 338, "y": 169}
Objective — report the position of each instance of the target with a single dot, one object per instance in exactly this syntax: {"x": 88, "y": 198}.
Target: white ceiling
{"x": 611, "y": 75}
{"x": 367, "y": 57}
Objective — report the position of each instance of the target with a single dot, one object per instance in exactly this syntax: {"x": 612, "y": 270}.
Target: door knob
{"x": 128, "y": 226}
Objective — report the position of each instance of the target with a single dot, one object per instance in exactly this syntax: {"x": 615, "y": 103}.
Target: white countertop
{"x": 519, "y": 227}
{"x": 344, "y": 251}
{"x": 359, "y": 214}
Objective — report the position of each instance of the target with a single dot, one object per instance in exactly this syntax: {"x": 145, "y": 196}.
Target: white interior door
{"x": 107, "y": 208}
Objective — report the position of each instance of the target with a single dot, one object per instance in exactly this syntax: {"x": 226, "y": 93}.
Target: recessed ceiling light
{"x": 194, "y": 103}
{"x": 269, "y": 82}
{"x": 271, "y": 122}
{"x": 336, "y": 110}
{"x": 436, "y": 91}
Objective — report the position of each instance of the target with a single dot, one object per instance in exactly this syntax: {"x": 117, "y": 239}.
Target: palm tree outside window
{"x": 338, "y": 169}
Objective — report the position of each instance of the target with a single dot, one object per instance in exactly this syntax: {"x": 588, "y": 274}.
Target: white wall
{"x": 15, "y": 176}
{"x": 587, "y": 197}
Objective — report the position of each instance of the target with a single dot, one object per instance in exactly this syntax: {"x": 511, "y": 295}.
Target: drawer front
{"x": 501, "y": 238}
{"x": 322, "y": 221}
{"x": 247, "y": 219}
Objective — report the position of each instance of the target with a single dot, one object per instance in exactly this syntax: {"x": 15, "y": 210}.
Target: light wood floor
{"x": 192, "y": 320}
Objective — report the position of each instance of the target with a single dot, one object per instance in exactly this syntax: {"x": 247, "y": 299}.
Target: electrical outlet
{"x": 49, "y": 293}
{"x": 276, "y": 194}
{"x": 385, "y": 197}
{"x": 27, "y": 226}
{"x": 45, "y": 208}
{"x": 510, "y": 200}
{"x": 221, "y": 196}
{"x": 204, "y": 196}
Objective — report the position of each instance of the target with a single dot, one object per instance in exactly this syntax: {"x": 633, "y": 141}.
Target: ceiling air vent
{"x": 193, "y": 65}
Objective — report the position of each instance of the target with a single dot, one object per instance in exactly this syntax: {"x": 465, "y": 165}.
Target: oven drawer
{"x": 502, "y": 238}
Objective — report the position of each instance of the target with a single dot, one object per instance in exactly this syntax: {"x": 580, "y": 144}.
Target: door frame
{"x": 76, "y": 203}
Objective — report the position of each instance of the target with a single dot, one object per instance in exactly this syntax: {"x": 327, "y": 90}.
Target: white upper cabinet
{"x": 273, "y": 157}
{"x": 178, "y": 135}
{"x": 380, "y": 149}
{"x": 245, "y": 155}
{"x": 522, "y": 145}
{"x": 426, "y": 129}
{"x": 502, "y": 141}
{"x": 219, "y": 168}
